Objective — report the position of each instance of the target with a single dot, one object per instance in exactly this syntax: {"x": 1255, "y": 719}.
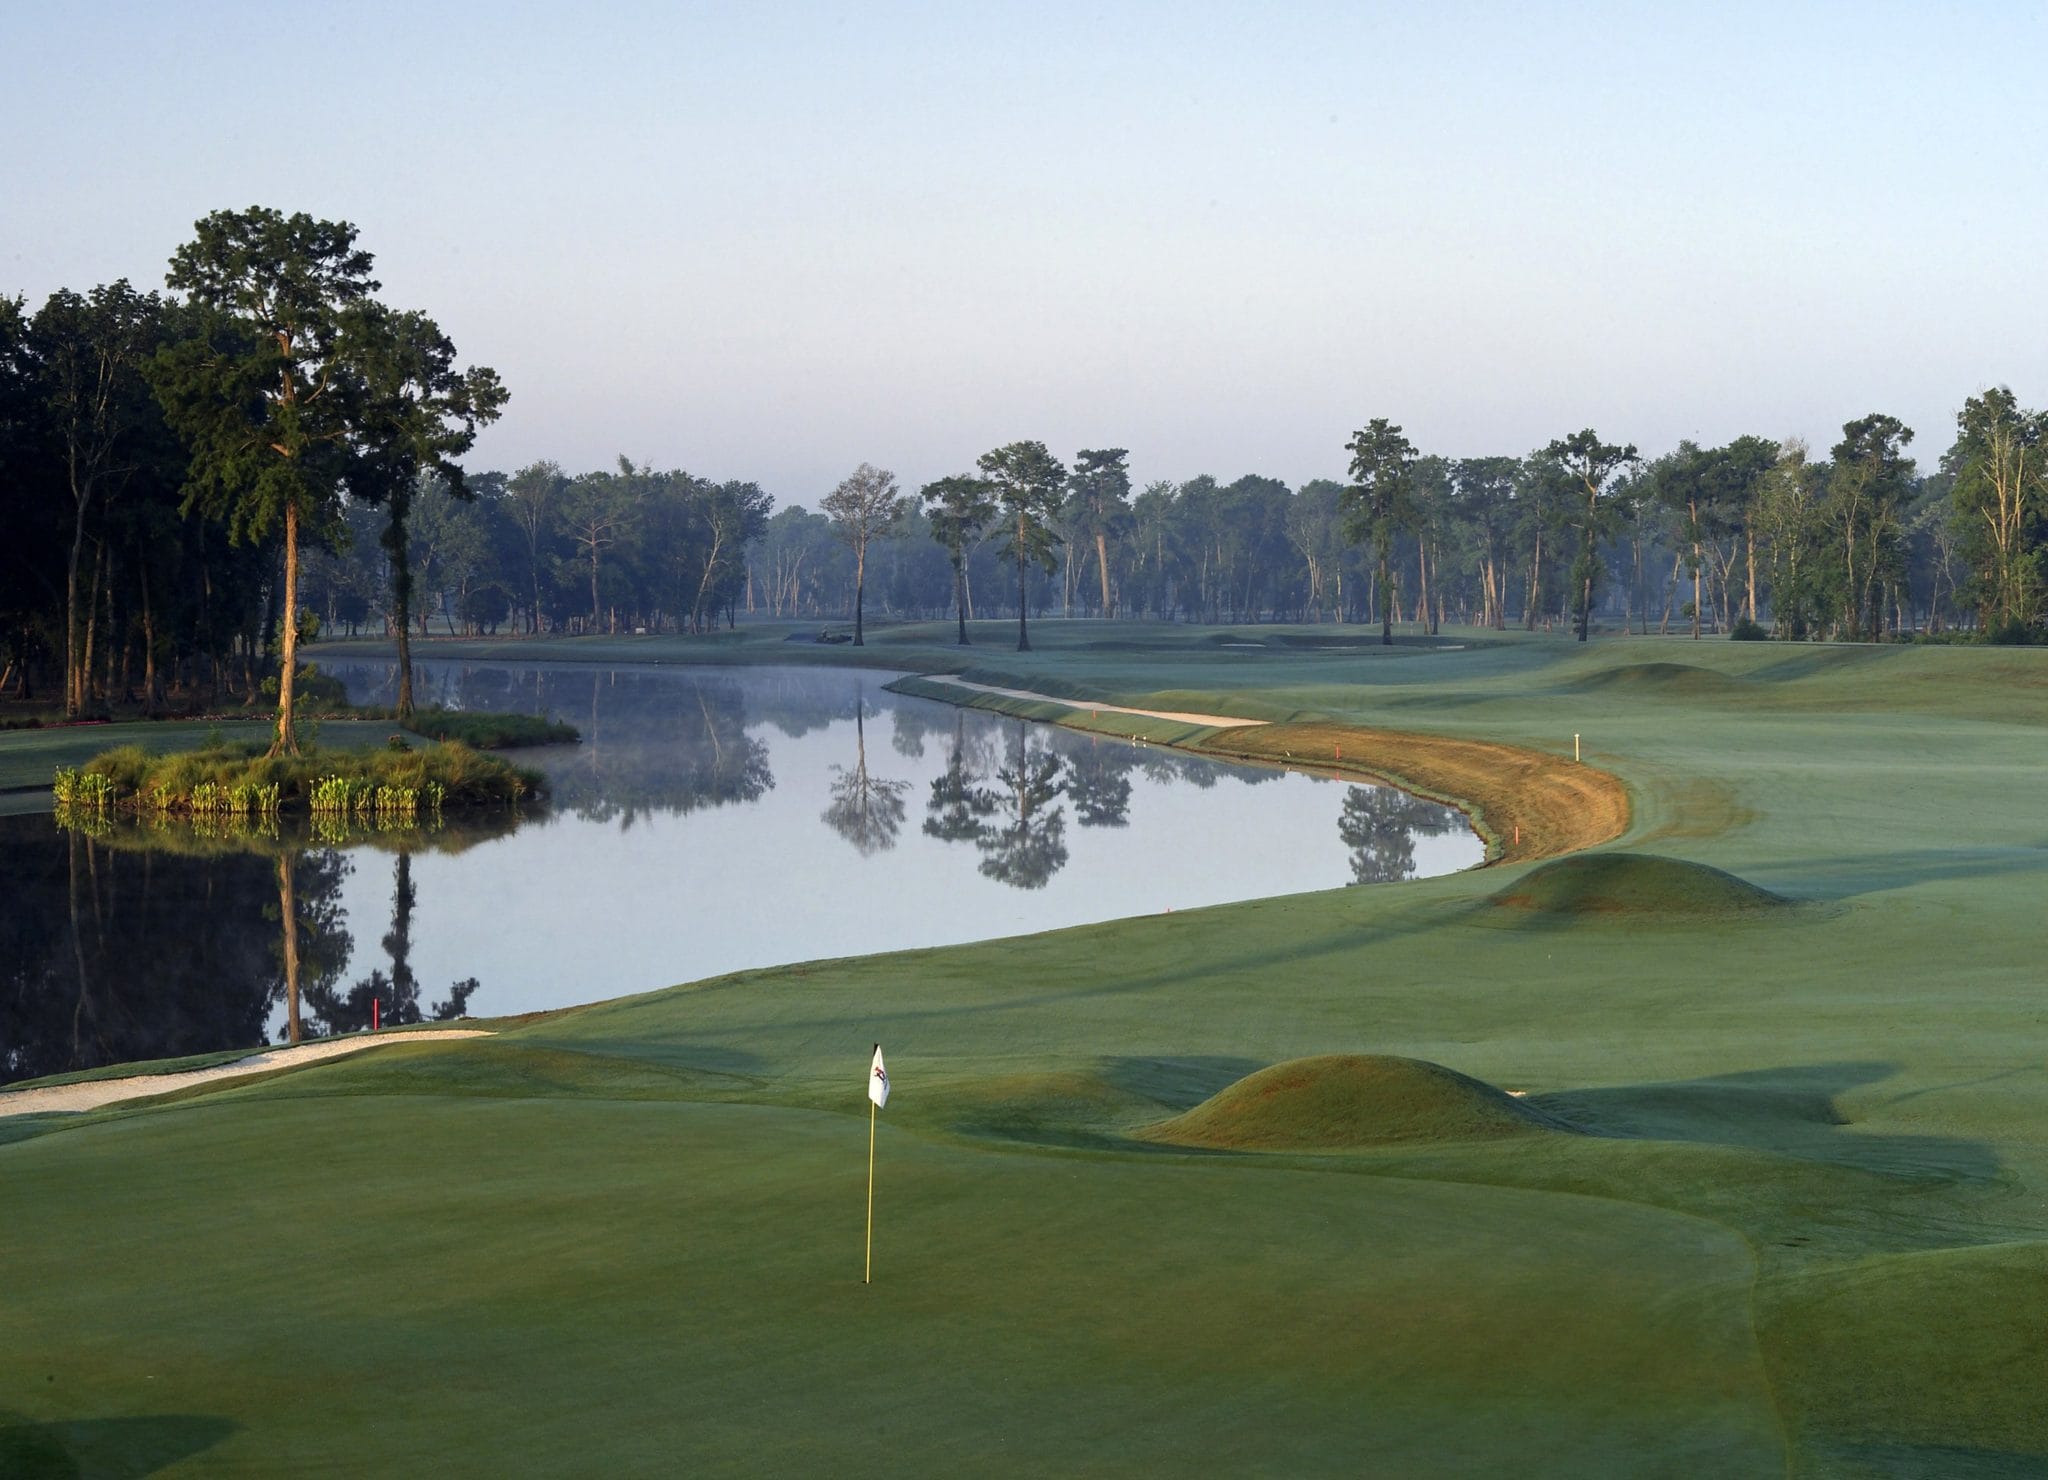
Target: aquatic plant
{"x": 234, "y": 782}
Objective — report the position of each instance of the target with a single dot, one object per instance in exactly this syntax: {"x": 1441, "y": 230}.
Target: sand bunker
{"x": 91, "y": 1094}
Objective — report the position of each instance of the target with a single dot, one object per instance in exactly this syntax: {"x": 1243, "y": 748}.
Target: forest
{"x": 121, "y": 586}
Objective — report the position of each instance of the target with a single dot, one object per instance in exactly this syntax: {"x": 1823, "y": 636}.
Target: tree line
{"x": 170, "y": 458}
{"x": 1755, "y": 537}
{"x": 182, "y": 468}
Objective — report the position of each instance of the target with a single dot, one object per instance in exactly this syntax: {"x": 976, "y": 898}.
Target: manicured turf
{"x": 1782, "y": 1204}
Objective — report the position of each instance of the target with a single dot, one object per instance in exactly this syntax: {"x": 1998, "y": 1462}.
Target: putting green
{"x": 1795, "y": 1218}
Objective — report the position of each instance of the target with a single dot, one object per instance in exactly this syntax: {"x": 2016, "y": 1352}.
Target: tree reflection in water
{"x": 655, "y": 746}
{"x": 108, "y": 956}
{"x": 1099, "y": 782}
{"x": 1023, "y": 844}
{"x": 864, "y": 809}
{"x": 1380, "y": 825}
{"x": 909, "y": 725}
{"x": 1003, "y": 805}
{"x": 396, "y": 994}
{"x": 958, "y": 807}
{"x": 125, "y": 942}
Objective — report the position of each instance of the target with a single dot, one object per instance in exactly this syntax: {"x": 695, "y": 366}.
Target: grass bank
{"x": 1775, "y": 1198}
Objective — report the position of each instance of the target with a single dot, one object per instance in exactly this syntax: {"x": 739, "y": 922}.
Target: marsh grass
{"x": 236, "y": 782}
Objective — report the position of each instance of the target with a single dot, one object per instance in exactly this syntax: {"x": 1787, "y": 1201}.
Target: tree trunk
{"x": 287, "y": 741}
{"x": 533, "y": 570}
{"x": 860, "y": 581}
{"x": 152, "y": 688}
{"x": 92, "y": 627}
{"x": 1749, "y": 595}
{"x": 397, "y": 546}
{"x": 1023, "y": 637}
{"x": 74, "y": 672}
{"x": 1535, "y": 583}
{"x": 1693, "y": 509}
{"x": 1102, "y": 565}
{"x": 1422, "y": 571}
{"x": 960, "y": 595}
{"x": 1386, "y": 594}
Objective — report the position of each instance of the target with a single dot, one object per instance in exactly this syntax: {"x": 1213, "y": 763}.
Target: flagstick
{"x": 868, "y": 1273}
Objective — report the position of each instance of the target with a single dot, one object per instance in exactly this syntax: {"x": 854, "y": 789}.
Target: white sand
{"x": 1214, "y": 721}
{"x": 62, "y": 1099}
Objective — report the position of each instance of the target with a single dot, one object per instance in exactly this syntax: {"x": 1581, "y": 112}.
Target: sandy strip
{"x": 60, "y": 1099}
{"x": 1214, "y": 721}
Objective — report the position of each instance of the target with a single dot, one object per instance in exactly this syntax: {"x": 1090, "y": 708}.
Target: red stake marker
{"x": 376, "y": 1011}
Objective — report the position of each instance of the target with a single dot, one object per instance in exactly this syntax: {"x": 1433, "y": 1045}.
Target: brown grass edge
{"x": 1524, "y": 804}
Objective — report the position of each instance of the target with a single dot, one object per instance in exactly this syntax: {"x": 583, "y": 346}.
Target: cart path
{"x": 1214, "y": 721}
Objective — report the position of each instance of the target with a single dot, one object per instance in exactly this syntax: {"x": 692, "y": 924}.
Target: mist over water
{"x": 711, "y": 819}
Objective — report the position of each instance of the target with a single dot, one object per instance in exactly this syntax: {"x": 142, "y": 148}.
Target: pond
{"x": 710, "y": 819}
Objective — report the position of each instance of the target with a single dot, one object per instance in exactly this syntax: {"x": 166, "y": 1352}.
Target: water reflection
{"x": 1099, "y": 781}
{"x": 866, "y": 809}
{"x": 674, "y": 741}
{"x": 1380, "y": 826}
{"x": 703, "y": 825}
{"x": 391, "y": 998}
{"x": 1024, "y": 841}
{"x": 659, "y": 749}
{"x": 124, "y": 942}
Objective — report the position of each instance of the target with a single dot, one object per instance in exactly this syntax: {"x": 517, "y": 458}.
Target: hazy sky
{"x": 772, "y": 241}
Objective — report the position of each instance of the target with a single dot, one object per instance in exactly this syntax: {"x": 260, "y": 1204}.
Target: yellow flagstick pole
{"x": 868, "y": 1272}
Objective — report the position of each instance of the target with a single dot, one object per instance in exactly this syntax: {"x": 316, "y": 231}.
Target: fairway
{"x": 1720, "y": 1149}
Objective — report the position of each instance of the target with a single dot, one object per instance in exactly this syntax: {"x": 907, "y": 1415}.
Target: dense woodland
{"x": 122, "y": 583}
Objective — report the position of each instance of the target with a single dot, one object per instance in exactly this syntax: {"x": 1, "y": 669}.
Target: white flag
{"x": 878, "y": 1080}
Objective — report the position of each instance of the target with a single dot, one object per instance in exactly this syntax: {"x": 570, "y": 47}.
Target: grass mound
{"x": 1632, "y": 884}
{"x": 1335, "y": 1101}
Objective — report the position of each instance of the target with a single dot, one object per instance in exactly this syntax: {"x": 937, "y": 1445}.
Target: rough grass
{"x": 1526, "y": 804}
{"x": 1342, "y": 1101}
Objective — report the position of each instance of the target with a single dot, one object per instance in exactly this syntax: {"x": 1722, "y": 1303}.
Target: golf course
{"x": 1702, "y": 1132}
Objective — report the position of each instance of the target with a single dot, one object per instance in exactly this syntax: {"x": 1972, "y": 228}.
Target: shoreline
{"x": 1524, "y": 804}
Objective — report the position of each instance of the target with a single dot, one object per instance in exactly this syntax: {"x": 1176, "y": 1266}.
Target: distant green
{"x": 1793, "y": 1220}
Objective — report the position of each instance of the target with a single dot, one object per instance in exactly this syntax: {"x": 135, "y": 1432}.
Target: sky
{"x": 771, "y": 241}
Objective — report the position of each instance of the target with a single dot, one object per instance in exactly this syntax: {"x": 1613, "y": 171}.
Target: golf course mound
{"x": 1632, "y": 884}
{"x": 1338, "y": 1101}
{"x": 1679, "y": 680}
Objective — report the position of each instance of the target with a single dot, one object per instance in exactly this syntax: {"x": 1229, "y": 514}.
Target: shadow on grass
{"x": 1177, "y": 1083}
{"x": 1792, "y": 1111}
{"x": 1878, "y": 873}
{"x": 105, "y": 1448}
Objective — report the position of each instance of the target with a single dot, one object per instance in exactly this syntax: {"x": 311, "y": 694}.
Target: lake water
{"x": 710, "y": 819}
